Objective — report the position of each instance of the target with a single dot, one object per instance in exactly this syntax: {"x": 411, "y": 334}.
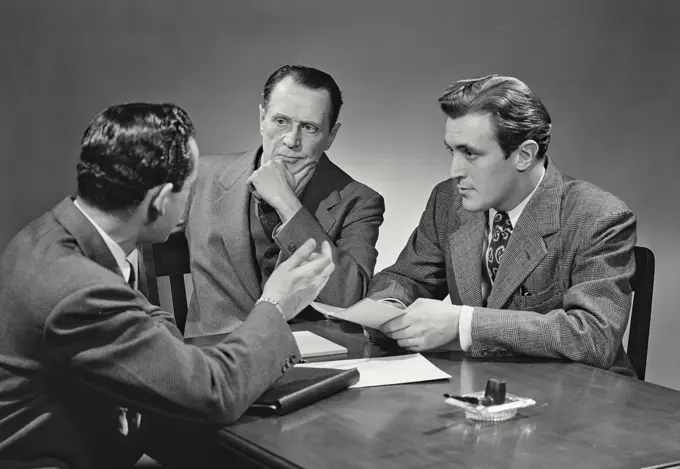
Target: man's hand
{"x": 297, "y": 281}
{"x": 273, "y": 183}
{"x": 427, "y": 324}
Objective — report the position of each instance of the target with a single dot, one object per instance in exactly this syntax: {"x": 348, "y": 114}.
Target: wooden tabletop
{"x": 583, "y": 417}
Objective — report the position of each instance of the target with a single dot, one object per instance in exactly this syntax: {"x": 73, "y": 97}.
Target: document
{"x": 384, "y": 371}
{"x": 312, "y": 345}
{"x": 367, "y": 312}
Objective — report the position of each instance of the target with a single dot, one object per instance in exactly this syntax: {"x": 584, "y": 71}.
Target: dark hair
{"x": 131, "y": 148}
{"x": 518, "y": 114}
{"x": 311, "y": 78}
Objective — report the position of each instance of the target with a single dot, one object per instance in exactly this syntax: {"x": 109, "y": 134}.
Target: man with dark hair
{"x": 535, "y": 262}
{"x": 83, "y": 355}
{"x": 251, "y": 211}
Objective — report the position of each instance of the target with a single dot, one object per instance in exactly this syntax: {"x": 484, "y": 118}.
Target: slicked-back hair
{"x": 517, "y": 113}
{"x": 131, "y": 148}
{"x": 311, "y": 78}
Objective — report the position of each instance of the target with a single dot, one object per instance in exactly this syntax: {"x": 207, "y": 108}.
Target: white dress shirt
{"x": 465, "y": 320}
{"x": 114, "y": 247}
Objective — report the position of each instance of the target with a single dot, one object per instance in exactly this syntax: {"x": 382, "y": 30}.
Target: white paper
{"x": 383, "y": 371}
{"x": 312, "y": 345}
{"x": 367, "y": 312}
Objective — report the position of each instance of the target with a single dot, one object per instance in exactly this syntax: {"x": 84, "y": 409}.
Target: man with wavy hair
{"x": 535, "y": 262}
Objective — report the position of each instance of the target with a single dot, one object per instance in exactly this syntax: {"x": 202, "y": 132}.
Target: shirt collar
{"x": 114, "y": 247}
{"x": 515, "y": 213}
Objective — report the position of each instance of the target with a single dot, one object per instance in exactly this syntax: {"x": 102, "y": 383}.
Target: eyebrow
{"x": 465, "y": 147}
{"x": 315, "y": 124}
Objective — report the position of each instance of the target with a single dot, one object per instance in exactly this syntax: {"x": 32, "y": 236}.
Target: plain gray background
{"x": 607, "y": 70}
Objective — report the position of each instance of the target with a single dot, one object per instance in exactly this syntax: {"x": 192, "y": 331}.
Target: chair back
{"x": 642, "y": 284}
{"x": 170, "y": 259}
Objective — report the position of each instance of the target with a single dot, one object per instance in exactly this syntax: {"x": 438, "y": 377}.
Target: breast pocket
{"x": 545, "y": 300}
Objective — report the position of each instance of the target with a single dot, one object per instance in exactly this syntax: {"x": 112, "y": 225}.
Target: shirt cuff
{"x": 465, "y": 327}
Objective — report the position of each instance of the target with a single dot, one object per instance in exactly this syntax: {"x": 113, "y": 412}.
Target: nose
{"x": 292, "y": 138}
{"x": 458, "y": 167}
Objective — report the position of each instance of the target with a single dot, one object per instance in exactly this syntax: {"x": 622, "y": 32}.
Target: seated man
{"x": 79, "y": 346}
{"x": 536, "y": 263}
{"x": 252, "y": 210}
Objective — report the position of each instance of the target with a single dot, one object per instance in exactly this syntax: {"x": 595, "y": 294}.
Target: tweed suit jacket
{"x": 562, "y": 290}
{"x": 76, "y": 342}
{"x": 223, "y": 264}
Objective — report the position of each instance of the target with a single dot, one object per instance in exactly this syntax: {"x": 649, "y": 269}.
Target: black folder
{"x": 301, "y": 386}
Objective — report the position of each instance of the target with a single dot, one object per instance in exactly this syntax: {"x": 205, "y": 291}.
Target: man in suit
{"x": 250, "y": 211}
{"x": 83, "y": 355}
{"x": 536, "y": 263}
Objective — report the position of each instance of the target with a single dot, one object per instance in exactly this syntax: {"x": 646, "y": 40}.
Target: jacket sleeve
{"x": 420, "y": 269}
{"x": 595, "y": 307}
{"x": 354, "y": 252}
{"x": 109, "y": 338}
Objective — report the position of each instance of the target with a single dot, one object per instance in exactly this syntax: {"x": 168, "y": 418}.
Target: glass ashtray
{"x": 492, "y": 413}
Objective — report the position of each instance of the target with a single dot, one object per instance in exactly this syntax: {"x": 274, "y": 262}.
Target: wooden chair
{"x": 642, "y": 284}
{"x": 170, "y": 259}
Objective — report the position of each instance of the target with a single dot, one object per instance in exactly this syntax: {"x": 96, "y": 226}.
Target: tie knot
{"x": 500, "y": 218}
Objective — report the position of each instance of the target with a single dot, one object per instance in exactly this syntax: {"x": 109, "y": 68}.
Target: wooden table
{"x": 583, "y": 417}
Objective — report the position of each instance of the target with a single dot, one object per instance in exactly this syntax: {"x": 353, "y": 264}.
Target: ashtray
{"x": 492, "y": 413}
{"x": 492, "y": 405}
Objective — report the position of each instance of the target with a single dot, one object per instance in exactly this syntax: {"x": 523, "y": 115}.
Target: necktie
{"x": 131, "y": 277}
{"x": 501, "y": 231}
{"x": 268, "y": 217}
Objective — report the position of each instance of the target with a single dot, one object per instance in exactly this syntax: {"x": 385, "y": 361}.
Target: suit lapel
{"x": 465, "y": 245}
{"x": 526, "y": 247}
{"x": 233, "y": 209}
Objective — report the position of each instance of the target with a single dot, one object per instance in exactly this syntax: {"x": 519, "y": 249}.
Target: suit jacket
{"x": 76, "y": 341}
{"x": 223, "y": 264}
{"x": 562, "y": 289}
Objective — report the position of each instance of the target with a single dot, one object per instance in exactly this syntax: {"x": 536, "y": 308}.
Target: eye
{"x": 280, "y": 121}
{"x": 309, "y": 128}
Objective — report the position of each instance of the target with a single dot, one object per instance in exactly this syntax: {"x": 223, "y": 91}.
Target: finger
{"x": 301, "y": 255}
{"x": 313, "y": 267}
{"x": 326, "y": 249}
{"x": 393, "y": 325}
{"x": 406, "y": 333}
{"x": 410, "y": 343}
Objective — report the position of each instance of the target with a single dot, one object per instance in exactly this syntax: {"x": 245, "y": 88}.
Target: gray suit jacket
{"x": 223, "y": 265}
{"x": 76, "y": 341}
{"x": 562, "y": 289}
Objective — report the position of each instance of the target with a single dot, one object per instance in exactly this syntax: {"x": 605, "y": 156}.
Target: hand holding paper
{"x": 426, "y": 324}
{"x": 367, "y": 312}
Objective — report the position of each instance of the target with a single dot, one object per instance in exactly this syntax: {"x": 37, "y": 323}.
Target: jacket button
{"x": 292, "y": 247}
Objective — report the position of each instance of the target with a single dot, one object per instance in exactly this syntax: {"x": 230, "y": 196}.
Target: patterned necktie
{"x": 131, "y": 277}
{"x": 502, "y": 229}
{"x": 268, "y": 217}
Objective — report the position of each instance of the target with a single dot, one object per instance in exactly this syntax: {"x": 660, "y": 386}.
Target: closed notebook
{"x": 300, "y": 387}
{"x": 315, "y": 346}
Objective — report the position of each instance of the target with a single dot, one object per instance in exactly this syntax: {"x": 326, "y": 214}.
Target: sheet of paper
{"x": 383, "y": 371}
{"x": 312, "y": 345}
{"x": 367, "y": 312}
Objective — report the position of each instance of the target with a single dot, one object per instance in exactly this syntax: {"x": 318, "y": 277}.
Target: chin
{"x": 472, "y": 205}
